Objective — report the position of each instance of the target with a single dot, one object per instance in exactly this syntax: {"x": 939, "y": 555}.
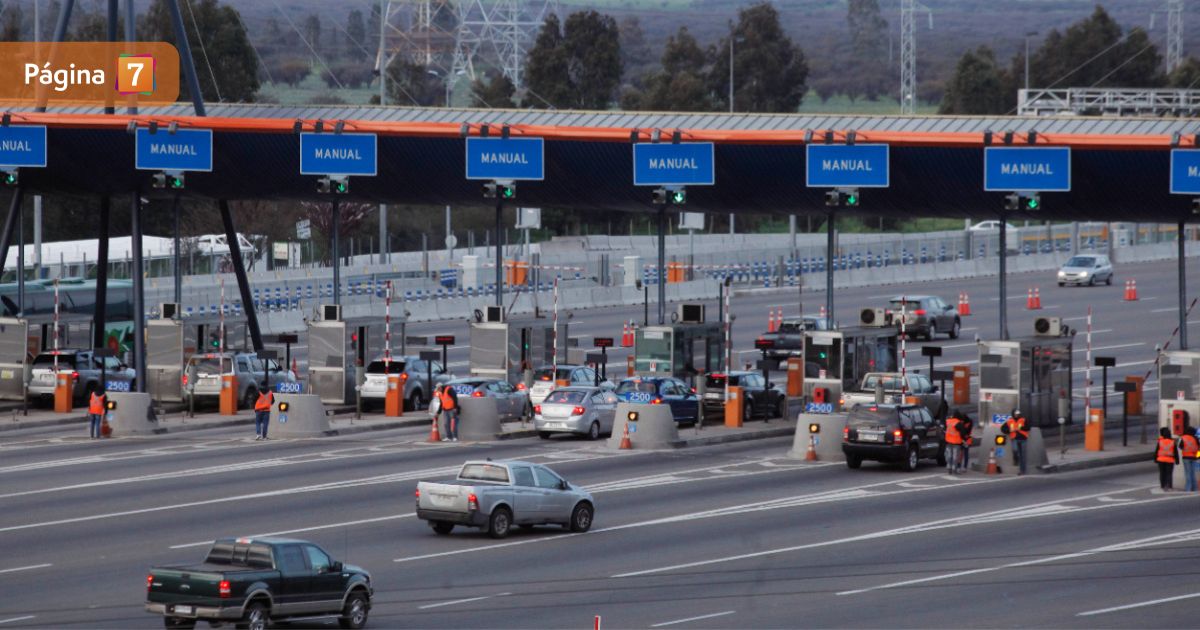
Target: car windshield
{"x": 377, "y": 367}
{"x": 868, "y": 416}
{"x": 629, "y": 387}
{"x": 47, "y": 360}
{"x": 566, "y": 397}
{"x": 1081, "y": 261}
{"x": 207, "y": 366}
{"x": 890, "y": 383}
{"x": 718, "y": 380}
{"x": 544, "y": 374}
{"x": 899, "y": 305}
{"x": 483, "y": 472}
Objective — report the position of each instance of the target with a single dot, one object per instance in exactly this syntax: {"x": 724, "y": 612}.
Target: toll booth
{"x": 681, "y": 350}
{"x": 841, "y": 357}
{"x": 1032, "y": 374}
{"x": 503, "y": 348}
{"x": 170, "y": 341}
{"x": 339, "y": 351}
{"x": 1178, "y": 389}
{"x": 23, "y": 338}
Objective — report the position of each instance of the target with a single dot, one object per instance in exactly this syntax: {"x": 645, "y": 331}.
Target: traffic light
{"x": 833, "y": 198}
{"x": 1017, "y": 201}
{"x": 663, "y": 197}
{"x": 505, "y": 191}
{"x": 168, "y": 180}
{"x": 852, "y": 199}
{"x": 214, "y": 340}
{"x": 331, "y": 184}
{"x": 838, "y": 198}
{"x": 9, "y": 177}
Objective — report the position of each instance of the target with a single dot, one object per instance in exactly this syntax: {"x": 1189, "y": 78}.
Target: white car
{"x": 1011, "y": 234}
{"x": 545, "y": 380}
{"x": 1090, "y": 269}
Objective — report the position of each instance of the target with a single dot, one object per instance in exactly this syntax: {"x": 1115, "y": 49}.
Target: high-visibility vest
{"x": 1166, "y": 451}
{"x": 264, "y": 402}
{"x": 96, "y": 404}
{"x": 1189, "y": 446}
{"x": 447, "y": 399}
{"x": 1017, "y": 429}
{"x": 952, "y": 434}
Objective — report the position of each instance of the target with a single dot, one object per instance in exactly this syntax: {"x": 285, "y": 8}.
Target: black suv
{"x": 763, "y": 399}
{"x": 925, "y": 316}
{"x": 893, "y": 433}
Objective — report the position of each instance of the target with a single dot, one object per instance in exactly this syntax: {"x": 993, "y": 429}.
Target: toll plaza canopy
{"x": 1119, "y": 167}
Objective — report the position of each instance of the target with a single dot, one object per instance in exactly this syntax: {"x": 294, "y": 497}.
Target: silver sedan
{"x": 511, "y": 403}
{"x": 579, "y": 410}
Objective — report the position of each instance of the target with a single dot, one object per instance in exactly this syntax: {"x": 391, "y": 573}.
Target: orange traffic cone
{"x": 811, "y": 455}
{"x": 1029, "y": 300}
{"x": 1037, "y": 297}
{"x": 626, "y": 444}
{"x": 434, "y": 434}
{"x": 992, "y": 468}
{"x": 964, "y": 304}
{"x": 1131, "y": 291}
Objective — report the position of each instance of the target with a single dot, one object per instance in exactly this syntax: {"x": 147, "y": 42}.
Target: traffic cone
{"x": 434, "y": 434}
{"x": 1131, "y": 291}
{"x": 1029, "y": 305}
{"x": 625, "y": 443}
{"x": 811, "y": 455}
{"x": 964, "y": 306}
{"x": 596, "y": 623}
{"x": 992, "y": 468}
{"x": 822, "y": 312}
{"x": 1037, "y": 297}
{"x": 770, "y": 319}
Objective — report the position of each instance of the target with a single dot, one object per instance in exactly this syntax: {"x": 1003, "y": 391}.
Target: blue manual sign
{"x": 22, "y": 146}
{"x": 688, "y": 164}
{"x": 1034, "y": 169}
{"x": 184, "y": 150}
{"x": 847, "y": 166}
{"x": 338, "y": 154}
{"x": 505, "y": 158}
{"x": 1185, "y": 171}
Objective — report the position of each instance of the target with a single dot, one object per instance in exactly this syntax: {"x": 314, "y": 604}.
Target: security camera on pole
{"x": 334, "y": 158}
{"x": 501, "y": 162}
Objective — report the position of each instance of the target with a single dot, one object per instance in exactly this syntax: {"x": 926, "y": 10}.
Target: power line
{"x": 203, "y": 50}
{"x": 307, "y": 44}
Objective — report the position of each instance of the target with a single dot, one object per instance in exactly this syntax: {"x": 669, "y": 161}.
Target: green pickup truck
{"x": 254, "y": 581}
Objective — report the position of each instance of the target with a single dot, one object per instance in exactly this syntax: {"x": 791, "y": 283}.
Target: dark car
{"x": 763, "y": 399}
{"x": 903, "y": 434}
{"x": 925, "y": 316}
{"x": 788, "y": 339}
{"x": 254, "y": 581}
{"x": 662, "y": 390}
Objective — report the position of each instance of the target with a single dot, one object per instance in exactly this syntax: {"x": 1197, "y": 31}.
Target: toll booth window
{"x": 851, "y": 368}
{"x": 654, "y": 347}
{"x": 824, "y": 357}
{"x": 377, "y": 367}
{"x": 885, "y": 354}
{"x": 565, "y": 397}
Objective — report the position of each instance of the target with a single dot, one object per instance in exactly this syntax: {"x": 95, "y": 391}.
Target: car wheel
{"x": 500, "y": 522}
{"x": 581, "y": 517}
{"x": 442, "y": 527}
{"x": 257, "y": 617}
{"x": 177, "y": 623}
{"x": 250, "y": 398}
{"x": 1062, "y": 284}
{"x": 956, "y": 328}
{"x": 747, "y": 412}
{"x": 911, "y": 457}
{"x": 414, "y": 401}
{"x": 354, "y": 614}
{"x": 1092, "y": 281}
{"x": 1108, "y": 280}
{"x": 781, "y": 408}
{"x": 594, "y": 431}
{"x": 931, "y": 332}
{"x": 545, "y": 435}
{"x": 853, "y": 461}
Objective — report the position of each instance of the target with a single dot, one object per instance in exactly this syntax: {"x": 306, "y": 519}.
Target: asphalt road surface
{"x": 729, "y": 536}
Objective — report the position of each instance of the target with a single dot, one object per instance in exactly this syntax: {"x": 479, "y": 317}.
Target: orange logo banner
{"x": 93, "y": 73}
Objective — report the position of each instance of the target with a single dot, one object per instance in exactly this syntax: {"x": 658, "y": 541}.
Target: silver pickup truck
{"x": 495, "y": 495}
{"x": 919, "y": 387}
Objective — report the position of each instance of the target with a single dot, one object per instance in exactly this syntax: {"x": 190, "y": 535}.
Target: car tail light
{"x": 898, "y": 436}
{"x": 184, "y": 380}
{"x": 578, "y": 411}
{"x": 919, "y": 312}
{"x": 224, "y": 588}
{"x": 693, "y": 390}
{"x": 472, "y": 502}
{"x": 74, "y": 376}
{"x": 656, "y": 401}
{"x": 404, "y": 376}
{"x": 537, "y": 409}
{"x": 520, "y": 386}
{"x": 846, "y": 433}
{"x": 477, "y": 394}
{"x": 149, "y": 580}
{"x": 418, "y": 493}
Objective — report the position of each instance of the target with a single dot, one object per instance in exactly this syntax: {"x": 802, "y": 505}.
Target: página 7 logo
{"x": 62, "y": 79}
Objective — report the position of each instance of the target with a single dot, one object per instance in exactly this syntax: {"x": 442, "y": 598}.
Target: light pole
{"x": 1027, "y": 36}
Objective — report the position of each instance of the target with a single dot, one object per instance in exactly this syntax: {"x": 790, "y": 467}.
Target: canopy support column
{"x": 335, "y": 215}
{"x": 185, "y": 56}
{"x": 176, "y": 265}
{"x": 499, "y": 249}
{"x": 10, "y": 223}
{"x": 139, "y": 295}
{"x": 239, "y": 271}
{"x": 100, "y": 309}
{"x": 662, "y": 264}
{"x": 1182, "y": 262}
{"x": 829, "y": 223}
{"x": 1003, "y": 253}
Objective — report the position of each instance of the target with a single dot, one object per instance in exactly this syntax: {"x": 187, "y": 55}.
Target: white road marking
{"x": 361, "y": 521}
{"x": 461, "y": 601}
{"x": 17, "y": 619}
{"x": 32, "y": 566}
{"x": 1138, "y": 605}
{"x": 1029, "y": 511}
{"x": 960, "y": 345}
{"x": 671, "y": 623}
{"x": 1165, "y": 310}
{"x": 1120, "y": 345}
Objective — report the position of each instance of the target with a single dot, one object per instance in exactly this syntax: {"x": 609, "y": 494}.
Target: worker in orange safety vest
{"x": 96, "y": 413}
{"x": 262, "y": 414}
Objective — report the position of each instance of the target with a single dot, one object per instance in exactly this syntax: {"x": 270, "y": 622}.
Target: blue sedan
{"x": 685, "y": 405}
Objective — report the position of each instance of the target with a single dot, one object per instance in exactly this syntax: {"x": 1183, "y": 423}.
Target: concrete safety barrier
{"x": 654, "y": 428}
{"x": 478, "y": 419}
{"x": 1035, "y": 450}
{"x": 133, "y": 415}
{"x": 305, "y": 417}
{"x": 827, "y": 438}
